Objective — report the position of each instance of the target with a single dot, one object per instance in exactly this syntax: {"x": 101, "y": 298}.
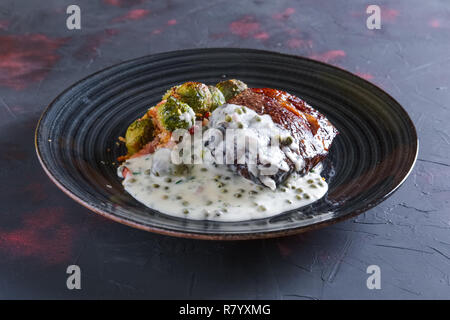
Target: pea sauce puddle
{"x": 216, "y": 193}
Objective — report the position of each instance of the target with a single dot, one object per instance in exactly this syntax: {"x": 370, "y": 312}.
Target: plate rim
{"x": 223, "y": 236}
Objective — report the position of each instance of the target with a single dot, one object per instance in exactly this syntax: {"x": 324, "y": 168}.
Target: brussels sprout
{"x": 195, "y": 94}
{"x": 171, "y": 91}
{"x": 174, "y": 114}
{"x": 138, "y": 134}
{"x": 217, "y": 98}
{"x": 231, "y": 88}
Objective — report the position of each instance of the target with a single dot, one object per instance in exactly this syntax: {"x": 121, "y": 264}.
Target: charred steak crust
{"x": 310, "y": 129}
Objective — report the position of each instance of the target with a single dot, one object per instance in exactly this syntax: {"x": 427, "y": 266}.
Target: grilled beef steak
{"x": 312, "y": 133}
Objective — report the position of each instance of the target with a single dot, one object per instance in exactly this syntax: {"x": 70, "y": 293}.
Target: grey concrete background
{"x": 42, "y": 231}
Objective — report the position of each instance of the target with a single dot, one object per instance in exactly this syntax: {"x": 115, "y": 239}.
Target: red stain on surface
{"x": 15, "y": 152}
{"x": 219, "y": 35}
{"x": 245, "y": 27}
{"x": 43, "y": 235}
{"x": 388, "y": 14}
{"x": 296, "y": 43}
{"x": 328, "y": 56}
{"x": 93, "y": 42}
{"x": 172, "y": 22}
{"x": 284, "y": 15}
{"x": 160, "y": 30}
{"x": 17, "y": 109}
{"x": 261, "y": 36}
{"x": 285, "y": 251}
{"x": 366, "y": 76}
{"x": 122, "y": 3}
{"x": 25, "y": 59}
{"x": 4, "y": 24}
{"x": 135, "y": 14}
{"x": 434, "y": 23}
{"x": 292, "y": 31}
{"x": 37, "y": 191}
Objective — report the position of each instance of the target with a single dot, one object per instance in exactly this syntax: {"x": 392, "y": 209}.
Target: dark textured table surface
{"x": 42, "y": 231}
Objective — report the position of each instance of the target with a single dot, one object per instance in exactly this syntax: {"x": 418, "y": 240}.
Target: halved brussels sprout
{"x": 231, "y": 88}
{"x": 195, "y": 94}
{"x": 217, "y": 98}
{"x": 138, "y": 134}
{"x": 174, "y": 114}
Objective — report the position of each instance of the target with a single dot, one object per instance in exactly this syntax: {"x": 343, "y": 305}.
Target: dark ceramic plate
{"x": 374, "y": 153}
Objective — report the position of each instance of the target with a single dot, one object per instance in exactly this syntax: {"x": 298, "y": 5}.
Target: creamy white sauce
{"x": 208, "y": 192}
{"x": 211, "y": 191}
{"x": 258, "y": 130}
{"x": 188, "y": 116}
